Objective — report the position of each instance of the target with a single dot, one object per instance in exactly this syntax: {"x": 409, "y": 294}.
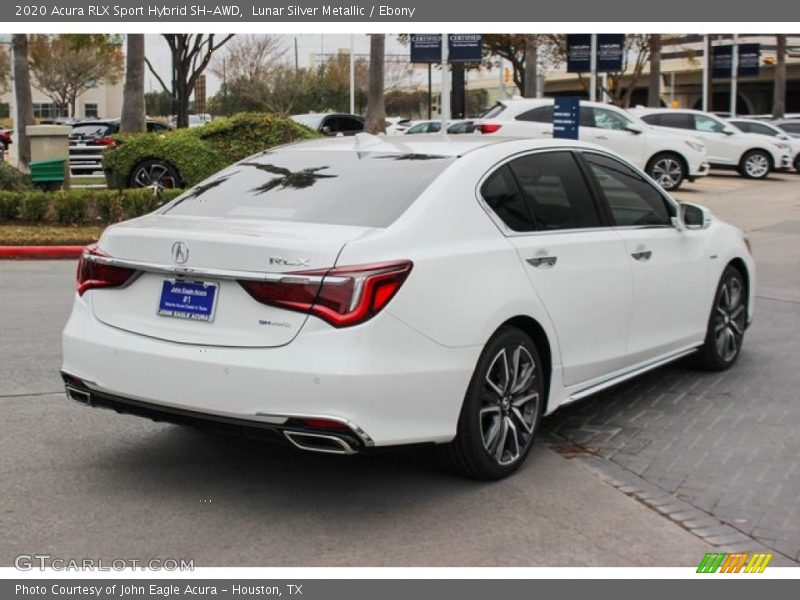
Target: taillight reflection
{"x": 344, "y": 296}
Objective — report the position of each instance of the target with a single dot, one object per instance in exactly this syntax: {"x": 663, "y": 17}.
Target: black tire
{"x": 726, "y": 323}
{"x": 476, "y": 450}
{"x": 667, "y": 169}
{"x": 797, "y": 163}
{"x": 755, "y": 164}
{"x": 154, "y": 172}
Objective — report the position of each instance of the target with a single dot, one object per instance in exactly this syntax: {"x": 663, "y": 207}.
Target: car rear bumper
{"x": 389, "y": 383}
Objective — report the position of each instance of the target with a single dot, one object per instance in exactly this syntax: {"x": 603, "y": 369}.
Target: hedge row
{"x": 81, "y": 205}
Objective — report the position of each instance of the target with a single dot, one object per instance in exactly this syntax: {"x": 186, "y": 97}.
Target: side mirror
{"x": 694, "y": 216}
{"x": 633, "y": 128}
{"x": 728, "y": 131}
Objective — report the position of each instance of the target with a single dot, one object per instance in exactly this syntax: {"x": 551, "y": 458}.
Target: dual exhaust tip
{"x": 304, "y": 440}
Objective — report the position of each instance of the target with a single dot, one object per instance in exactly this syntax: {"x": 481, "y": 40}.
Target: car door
{"x": 611, "y": 131}
{"x": 670, "y": 267}
{"x": 576, "y": 264}
{"x": 723, "y": 148}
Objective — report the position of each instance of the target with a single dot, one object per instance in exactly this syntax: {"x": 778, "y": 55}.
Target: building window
{"x": 90, "y": 110}
{"x": 44, "y": 110}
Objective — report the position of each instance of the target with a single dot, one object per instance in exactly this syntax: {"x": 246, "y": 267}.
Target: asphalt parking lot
{"x": 654, "y": 472}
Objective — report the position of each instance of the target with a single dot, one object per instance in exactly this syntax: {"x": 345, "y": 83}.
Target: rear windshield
{"x": 310, "y": 121}
{"x": 493, "y": 111}
{"x": 365, "y": 189}
{"x": 93, "y": 130}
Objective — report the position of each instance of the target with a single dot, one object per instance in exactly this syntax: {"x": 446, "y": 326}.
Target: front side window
{"x": 556, "y": 191}
{"x": 608, "y": 119}
{"x": 707, "y": 124}
{"x": 791, "y": 127}
{"x": 331, "y": 187}
{"x": 633, "y": 201}
{"x": 502, "y": 194}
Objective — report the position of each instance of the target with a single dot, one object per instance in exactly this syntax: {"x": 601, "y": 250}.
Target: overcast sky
{"x": 307, "y": 44}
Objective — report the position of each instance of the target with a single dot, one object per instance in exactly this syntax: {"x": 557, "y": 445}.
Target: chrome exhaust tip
{"x": 77, "y": 395}
{"x": 318, "y": 442}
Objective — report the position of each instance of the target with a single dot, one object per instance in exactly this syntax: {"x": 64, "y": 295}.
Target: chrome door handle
{"x": 542, "y": 261}
{"x": 642, "y": 255}
{"x": 547, "y": 131}
{"x": 600, "y": 137}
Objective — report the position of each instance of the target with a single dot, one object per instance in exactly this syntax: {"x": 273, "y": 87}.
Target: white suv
{"x": 773, "y": 131}
{"x": 667, "y": 157}
{"x": 753, "y": 155}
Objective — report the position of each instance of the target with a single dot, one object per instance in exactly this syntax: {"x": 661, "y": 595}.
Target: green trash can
{"x": 47, "y": 172}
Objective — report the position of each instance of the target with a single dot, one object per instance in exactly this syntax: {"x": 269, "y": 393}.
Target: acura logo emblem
{"x": 180, "y": 253}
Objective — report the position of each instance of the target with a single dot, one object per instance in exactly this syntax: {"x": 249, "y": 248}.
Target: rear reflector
{"x": 489, "y": 127}
{"x": 324, "y": 424}
{"x": 342, "y": 296}
{"x": 93, "y": 274}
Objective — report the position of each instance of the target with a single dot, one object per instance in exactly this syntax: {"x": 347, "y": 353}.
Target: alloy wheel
{"x": 756, "y": 165}
{"x": 510, "y": 405}
{"x": 154, "y": 175}
{"x": 667, "y": 172}
{"x": 729, "y": 320}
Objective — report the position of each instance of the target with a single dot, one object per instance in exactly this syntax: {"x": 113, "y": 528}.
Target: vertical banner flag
{"x": 566, "y": 117}
{"x": 749, "y": 60}
{"x": 579, "y": 53}
{"x": 610, "y": 47}
{"x": 721, "y": 61}
{"x": 426, "y": 47}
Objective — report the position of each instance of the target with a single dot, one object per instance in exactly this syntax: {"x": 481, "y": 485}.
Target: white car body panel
{"x": 402, "y": 375}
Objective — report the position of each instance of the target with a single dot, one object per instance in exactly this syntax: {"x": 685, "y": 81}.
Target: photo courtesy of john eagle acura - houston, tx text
{"x": 351, "y": 293}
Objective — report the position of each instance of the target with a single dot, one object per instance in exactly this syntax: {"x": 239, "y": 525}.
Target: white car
{"x": 773, "y": 131}
{"x": 753, "y": 155}
{"x": 667, "y": 157}
{"x": 397, "y": 125}
{"x": 297, "y": 295}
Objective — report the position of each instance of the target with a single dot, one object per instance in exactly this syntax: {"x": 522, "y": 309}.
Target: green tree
{"x": 64, "y": 66}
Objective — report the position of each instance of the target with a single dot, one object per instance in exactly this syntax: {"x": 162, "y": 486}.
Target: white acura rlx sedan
{"x": 344, "y": 294}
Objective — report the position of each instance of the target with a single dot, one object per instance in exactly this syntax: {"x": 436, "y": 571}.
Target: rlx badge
{"x": 289, "y": 262}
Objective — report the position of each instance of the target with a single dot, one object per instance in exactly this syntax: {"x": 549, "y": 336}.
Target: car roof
{"x": 433, "y": 144}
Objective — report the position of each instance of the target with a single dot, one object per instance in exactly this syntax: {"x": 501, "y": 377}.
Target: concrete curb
{"x": 40, "y": 252}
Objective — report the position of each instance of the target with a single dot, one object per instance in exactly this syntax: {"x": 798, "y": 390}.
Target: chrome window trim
{"x": 204, "y": 273}
{"x": 510, "y": 233}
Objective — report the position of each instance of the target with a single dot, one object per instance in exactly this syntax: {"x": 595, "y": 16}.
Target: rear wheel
{"x": 755, "y": 164}
{"x": 501, "y": 410}
{"x": 667, "y": 170}
{"x": 726, "y": 323}
{"x": 797, "y": 163}
{"x": 154, "y": 173}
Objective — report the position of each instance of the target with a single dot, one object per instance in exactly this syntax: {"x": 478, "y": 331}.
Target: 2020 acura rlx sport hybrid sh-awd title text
{"x": 344, "y": 294}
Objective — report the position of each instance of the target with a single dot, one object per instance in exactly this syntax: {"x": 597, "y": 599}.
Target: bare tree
{"x": 65, "y": 66}
{"x": 191, "y": 54}
{"x": 23, "y": 100}
{"x": 531, "y": 66}
{"x": 779, "y": 86}
{"x": 376, "y": 109}
{"x": 133, "y": 111}
{"x": 654, "y": 82}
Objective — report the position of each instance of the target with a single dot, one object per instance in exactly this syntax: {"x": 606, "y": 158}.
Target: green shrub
{"x": 108, "y": 206}
{"x": 137, "y": 202}
{"x": 200, "y": 152}
{"x": 12, "y": 179}
{"x": 34, "y": 205}
{"x": 71, "y": 206}
{"x": 9, "y": 205}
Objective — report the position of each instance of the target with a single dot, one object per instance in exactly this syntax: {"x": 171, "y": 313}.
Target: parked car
{"x": 195, "y": 120}
{"x": 331, "y": 124}
{"x": 299, "y": 297}
{"x": 435, "y": 126}
{"x": 397, "y": 125}
{"x": 90, "y": 138}
{"x": 184, "y": 157}
{"x": 773, "y": 131}
{"x": 754, "y": 156}
{"x": 667, "y": 157}
{"x": 789, "y": 126}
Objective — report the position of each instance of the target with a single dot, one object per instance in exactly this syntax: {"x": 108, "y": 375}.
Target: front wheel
{"x": 501, "y": 411}
{"x": 755, "y": 164}
{"x": 154, "y": 173}
{"x": 726, "y": 323}
{"x": 666, "y": 170}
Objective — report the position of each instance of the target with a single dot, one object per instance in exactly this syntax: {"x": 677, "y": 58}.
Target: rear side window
{"x": 633, "y": 201}
{"x": 673, "y": 120}
{"x": 540, "y": 114}
{"x": 502, "y": 194}
{"x": 335, "y": 187}
{"x": 556, "y": 191}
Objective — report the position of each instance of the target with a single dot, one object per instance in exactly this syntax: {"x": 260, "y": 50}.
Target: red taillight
{"x": 324, "y": 424}
{"x": 93, "y": 274}
{"x": 343, "y": 296}
{"x": 489, "y": 127}
{"x": 104, "y": 141}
